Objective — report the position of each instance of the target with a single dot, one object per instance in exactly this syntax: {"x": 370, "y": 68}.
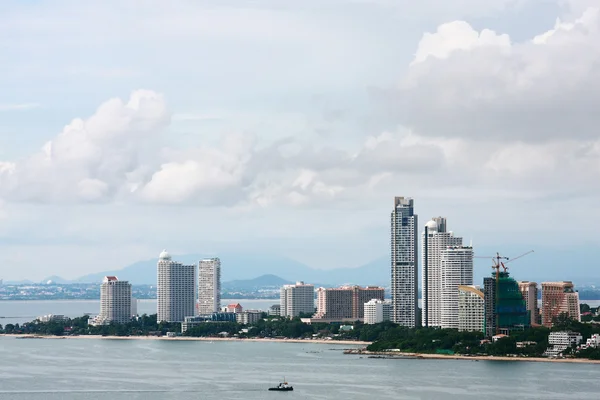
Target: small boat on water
{"x": 282, "y": 387}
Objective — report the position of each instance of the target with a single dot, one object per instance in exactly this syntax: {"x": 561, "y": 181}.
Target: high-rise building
{"x": 115, "y": 301}
{"x": 471, "y": 309}
{"x": 346, "y": 302}
{"x": 456, "y": 270}
{"x": 489, "y": 293}
{"x": 209, "y": 286}
{"x": 511, "y": 312}
{"x": 297, "y": 299}
{"x": 529, "y": 290}
{"x": 404, "y": 260}
{"x": 376, "y": 311}
{"x": 175, "y": 289}
{"x": 435, "y": 238}
{"x": 559, "y": 298}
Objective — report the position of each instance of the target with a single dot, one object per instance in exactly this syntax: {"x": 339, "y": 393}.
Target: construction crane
{"x": 498, "y": 263}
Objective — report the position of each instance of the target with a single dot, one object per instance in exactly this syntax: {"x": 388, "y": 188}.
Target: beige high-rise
{"x": 529, "y": 290}
{"x": 115, "y": 301}
{"x": 209, "y": 286}
{"x": 559, "y": 298}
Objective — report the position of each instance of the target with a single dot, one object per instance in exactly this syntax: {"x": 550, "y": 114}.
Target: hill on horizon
{"x": 245, "y": 266}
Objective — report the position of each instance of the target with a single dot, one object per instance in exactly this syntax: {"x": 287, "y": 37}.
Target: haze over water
{"x": 33, "y": 369}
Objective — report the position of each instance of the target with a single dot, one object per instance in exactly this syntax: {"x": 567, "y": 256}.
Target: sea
{"x": 19, "y": 311}
{"x": 103, "y": 369}
{"x": 115, "y": 369}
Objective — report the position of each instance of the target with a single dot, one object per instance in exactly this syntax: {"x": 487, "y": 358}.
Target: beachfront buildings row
{"x": 346, "y": 303}
{"x": 450, "y": 300}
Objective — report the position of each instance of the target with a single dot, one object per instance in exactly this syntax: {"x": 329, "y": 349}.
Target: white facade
{"x": 115, "y": 301}
{"x": 560, "y": 341}
{"x": 404, "y": 260}
{"x": 457, "y": 270}
{"x": 175, "y": 290}
{"x": 471, "y": 309}
{"x": 377, "y": 311}
{"x": 209, "y": 286}
{"x": 437, "y": 240}
{"x": 296, "y": 299}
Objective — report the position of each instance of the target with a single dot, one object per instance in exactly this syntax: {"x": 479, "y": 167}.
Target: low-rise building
{"x": 248, "y": 317}
{"x": 52, "y": 318}
{"x": 471, "y": 309}
{"x": 560, "y": 341}
{"x": 234, "y": 308}
{"x": 190, "y": 322}
{"x": 275, "y": 310}
{"x": 377, "y": 311}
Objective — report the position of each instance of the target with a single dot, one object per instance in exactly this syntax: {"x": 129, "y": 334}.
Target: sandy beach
{"x": 189, "y": 338}
{"x": 399, "y": 355}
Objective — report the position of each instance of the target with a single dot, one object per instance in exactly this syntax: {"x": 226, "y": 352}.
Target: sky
{"x": 287, "y": 127}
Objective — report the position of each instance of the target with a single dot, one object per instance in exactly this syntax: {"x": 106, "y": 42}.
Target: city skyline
{"x": 298, "y": 115}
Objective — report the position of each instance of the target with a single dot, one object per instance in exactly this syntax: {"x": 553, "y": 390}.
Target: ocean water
{"x": 17, "y": 312}
{"x": 52, "y": 369}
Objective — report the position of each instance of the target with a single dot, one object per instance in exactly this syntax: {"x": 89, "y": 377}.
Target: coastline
{"x": 423, "y": 356}
{"x": 189, "y": 338}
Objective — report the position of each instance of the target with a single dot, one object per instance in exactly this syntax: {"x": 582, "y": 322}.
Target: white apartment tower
{"x": 377, "y": 311}
{"x": 457, "y": 270}
{"x": 296, "y": 299}
{"x": 404, "y": 260}
{"x": 435, "y": 238}
{"x": 115, "y": 301}
{"x": 175, "y": 290}
{"x": 471, "y": 309}
{"x": 209, "y": 286}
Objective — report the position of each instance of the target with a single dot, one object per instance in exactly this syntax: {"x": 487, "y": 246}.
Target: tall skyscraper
{"x": 296, "y": 299}
{"x": 435, "y": 238}
{"x": 404, "y": 260}
{"x": 457, "y": 269}
{"x": 559, "y": 298}
{"x": 115, "y": 301}
{"x": 489, "y": 293}
{"x": 209, "y": 286}
{"x": 175, "y": 289}
{"x": 530, "y": 294}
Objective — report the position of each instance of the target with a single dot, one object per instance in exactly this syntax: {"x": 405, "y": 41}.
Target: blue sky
{"x": 288, "y": 127}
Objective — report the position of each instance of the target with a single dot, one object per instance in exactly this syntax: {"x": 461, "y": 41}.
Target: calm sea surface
{"x": 53, "y": 369}
{"x": 13, "y": 312}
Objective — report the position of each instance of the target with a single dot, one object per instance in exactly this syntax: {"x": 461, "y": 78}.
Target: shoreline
{"x": 188, "y": 338}
{"x": 426, "y": 356}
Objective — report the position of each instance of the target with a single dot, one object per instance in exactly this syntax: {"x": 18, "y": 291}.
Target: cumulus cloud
{"x": 464, "y": 83}
{"x": 91, "y": 159}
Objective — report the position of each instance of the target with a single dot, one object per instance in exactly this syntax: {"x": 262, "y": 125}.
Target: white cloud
{"x": 465, "y": 83}
{"x": 90, "y": 158}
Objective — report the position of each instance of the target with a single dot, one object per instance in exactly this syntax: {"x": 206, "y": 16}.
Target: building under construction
{"x": 505, "y": 307}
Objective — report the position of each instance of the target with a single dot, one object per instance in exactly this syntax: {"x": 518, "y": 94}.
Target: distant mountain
{"x": 256, "y": 283}
{"x": 243, "y": 266}
{"x": 56, "y": 279}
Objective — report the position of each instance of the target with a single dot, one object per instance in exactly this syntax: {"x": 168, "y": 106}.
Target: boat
{"x": 282, "y": 387}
